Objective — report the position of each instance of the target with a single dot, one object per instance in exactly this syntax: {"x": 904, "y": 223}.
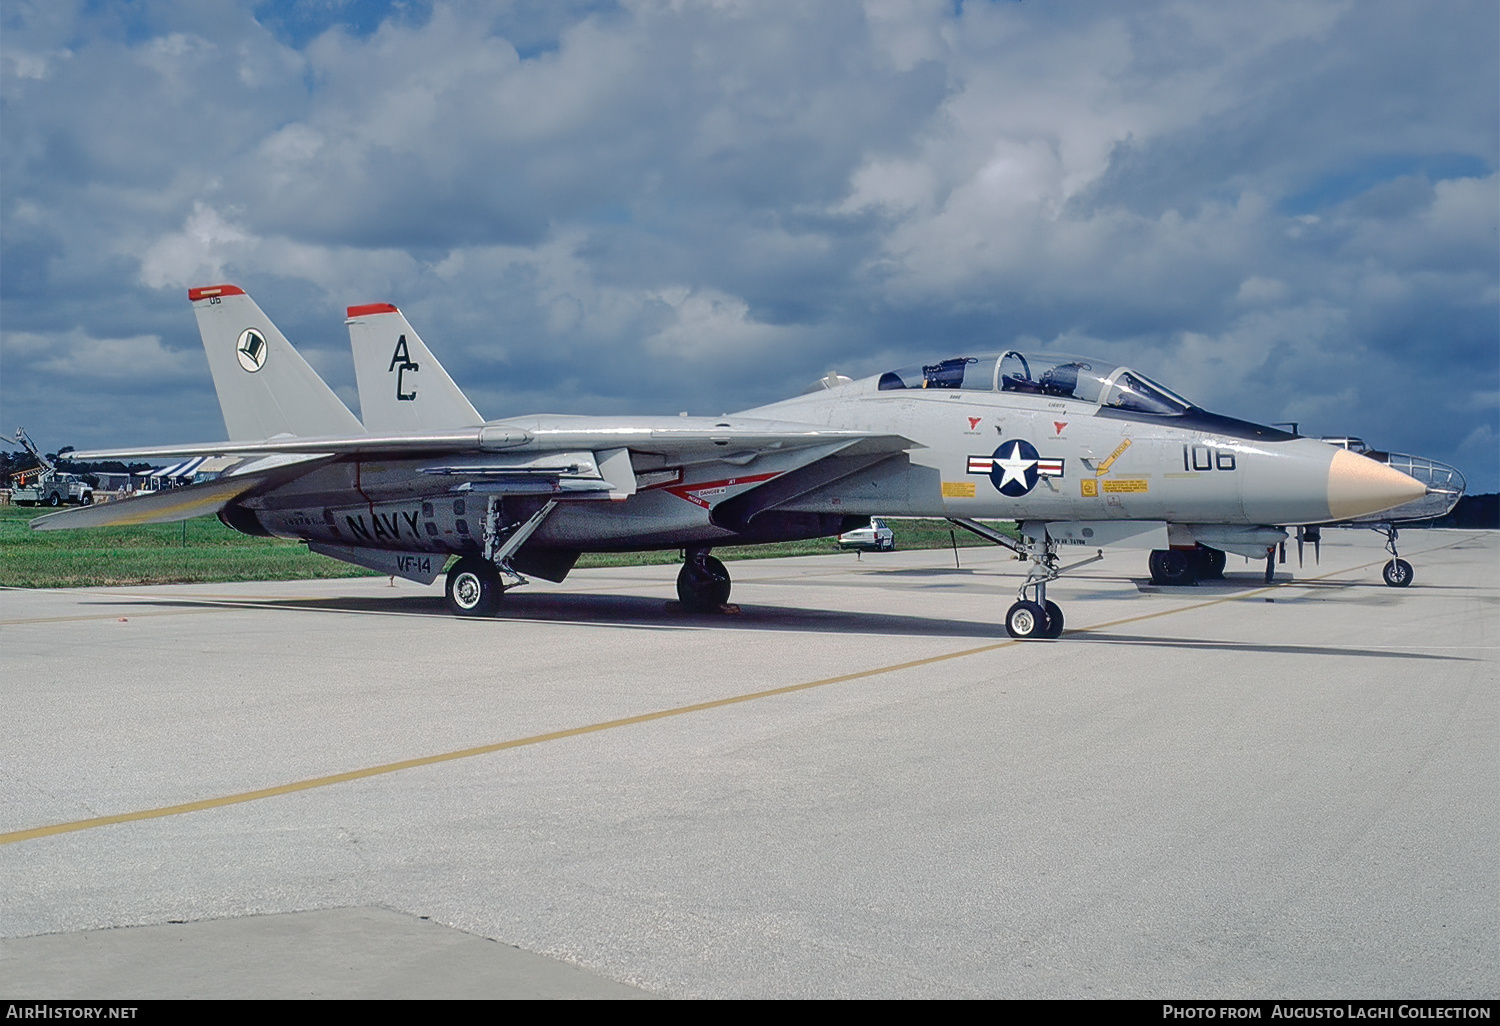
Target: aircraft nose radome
{"x": 1358, "y": 485}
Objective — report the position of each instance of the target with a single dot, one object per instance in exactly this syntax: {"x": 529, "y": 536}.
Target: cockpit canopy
{"x": 1046, "y": 374}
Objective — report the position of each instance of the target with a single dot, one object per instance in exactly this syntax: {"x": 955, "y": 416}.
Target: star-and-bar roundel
{"x": 1015, "y": 467}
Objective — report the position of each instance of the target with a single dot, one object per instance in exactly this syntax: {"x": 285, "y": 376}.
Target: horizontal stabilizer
{"x": 157, "y": 508}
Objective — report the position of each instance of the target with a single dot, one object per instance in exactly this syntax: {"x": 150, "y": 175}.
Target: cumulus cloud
{"x": 1287, "y": 210}
{"x": 76, "y": 354}
{"x": 194, "y": 255}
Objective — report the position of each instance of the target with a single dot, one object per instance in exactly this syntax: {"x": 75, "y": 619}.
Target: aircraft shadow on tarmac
{"x": 1241, "y": 646}
{"x": 619, "y": 611}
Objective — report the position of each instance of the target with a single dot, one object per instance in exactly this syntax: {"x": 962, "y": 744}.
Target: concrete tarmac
{"x": 857, "y": 786}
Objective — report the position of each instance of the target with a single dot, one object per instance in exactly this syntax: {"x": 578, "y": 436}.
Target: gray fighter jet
{"x": 1078, "y": 452}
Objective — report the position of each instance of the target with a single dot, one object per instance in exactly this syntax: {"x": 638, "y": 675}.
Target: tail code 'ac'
{"x": 402, "y": 387}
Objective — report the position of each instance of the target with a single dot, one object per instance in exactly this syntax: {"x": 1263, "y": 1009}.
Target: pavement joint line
{"x": 311, "y": 783}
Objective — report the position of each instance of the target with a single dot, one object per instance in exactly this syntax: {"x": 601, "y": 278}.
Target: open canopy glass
{"x": 1046, "y": 374}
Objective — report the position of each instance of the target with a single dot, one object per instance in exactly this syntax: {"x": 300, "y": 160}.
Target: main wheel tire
{"x": 1211, "y": 563}
{"x": 1026, "y": 621}
{"x": 703, "y": 585}
{"x": 473, "y": 588}
{"x": 1173, "y": 568}
{"x": 87, "y": 500}
{"x": 1397, "y": 573}
{"x": 1054, "y": 620}
{"x": 54, "y": 499}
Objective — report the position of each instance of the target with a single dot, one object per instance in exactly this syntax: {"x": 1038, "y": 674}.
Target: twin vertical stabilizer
{"x": 265, "y": 387}
{"x": 402, "y": 387}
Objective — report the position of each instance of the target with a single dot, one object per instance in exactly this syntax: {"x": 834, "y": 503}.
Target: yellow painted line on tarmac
{"x": 465, "y": 753}
{"x": 593, "y": 728}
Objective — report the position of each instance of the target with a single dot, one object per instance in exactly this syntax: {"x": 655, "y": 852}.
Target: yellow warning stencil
{"x": 1127, "y": 485}
{"x": 958, "y": 489}
{"x": 1104, "y": 467}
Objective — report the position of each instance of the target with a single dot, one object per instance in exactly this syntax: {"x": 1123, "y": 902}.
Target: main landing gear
{"x": 1028, "y": 620}
{"x": 1034, "y": 618}
{"x": 476, "y": 584}
{"x": 702, "y": 583}
{"x": 1181, "y": 567}
{"x": 474, "y": 587}
{"x": 1398, "y": 572}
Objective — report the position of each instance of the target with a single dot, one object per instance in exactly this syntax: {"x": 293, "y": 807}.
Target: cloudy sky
{"x": 1285, "y": 211}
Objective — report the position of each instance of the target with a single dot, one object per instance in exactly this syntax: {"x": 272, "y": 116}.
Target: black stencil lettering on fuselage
{"x": 1205, "y": 457}
{"x": 388, "y": 525}
{"x": 400, "y": 364}
{"x": 357, "y": 526}
{"x": 417, "y": 564}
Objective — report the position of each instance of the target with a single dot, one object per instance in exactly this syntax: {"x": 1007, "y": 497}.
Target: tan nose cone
{"x": 1358, "y": 485}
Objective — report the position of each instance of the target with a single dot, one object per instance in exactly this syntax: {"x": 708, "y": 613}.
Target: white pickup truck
{"x": 54, "y": 490}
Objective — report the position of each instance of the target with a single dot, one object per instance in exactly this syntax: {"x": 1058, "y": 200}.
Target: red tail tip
{"x": 371, "y": 308}
{"x": 209, "y": 291}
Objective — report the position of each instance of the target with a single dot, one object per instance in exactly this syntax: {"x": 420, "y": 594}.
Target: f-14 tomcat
{"x": 1076, "y": 451}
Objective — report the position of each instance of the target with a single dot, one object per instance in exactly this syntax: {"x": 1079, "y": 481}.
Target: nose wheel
{"x": 1398, "y": 572}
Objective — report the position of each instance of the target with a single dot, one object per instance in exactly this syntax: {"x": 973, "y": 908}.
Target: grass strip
{"x": 204, "y": 551}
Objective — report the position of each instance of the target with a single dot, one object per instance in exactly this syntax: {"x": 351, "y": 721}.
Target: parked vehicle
{"x": 44, "y": 484}
{"x": 878, "y": 537}
{"x": 54, "y": 490}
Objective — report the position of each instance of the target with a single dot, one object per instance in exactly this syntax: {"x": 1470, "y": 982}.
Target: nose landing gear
{"x": 1398, "y": 572}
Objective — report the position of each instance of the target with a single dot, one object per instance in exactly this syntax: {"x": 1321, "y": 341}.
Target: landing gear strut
{"x": 1398, "y": 572}
{"x": 476, "y": 583}
{"x": 1034, "y": 618}
{"x": 1037, "y": 618}
{"x": 702, "y": 583}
